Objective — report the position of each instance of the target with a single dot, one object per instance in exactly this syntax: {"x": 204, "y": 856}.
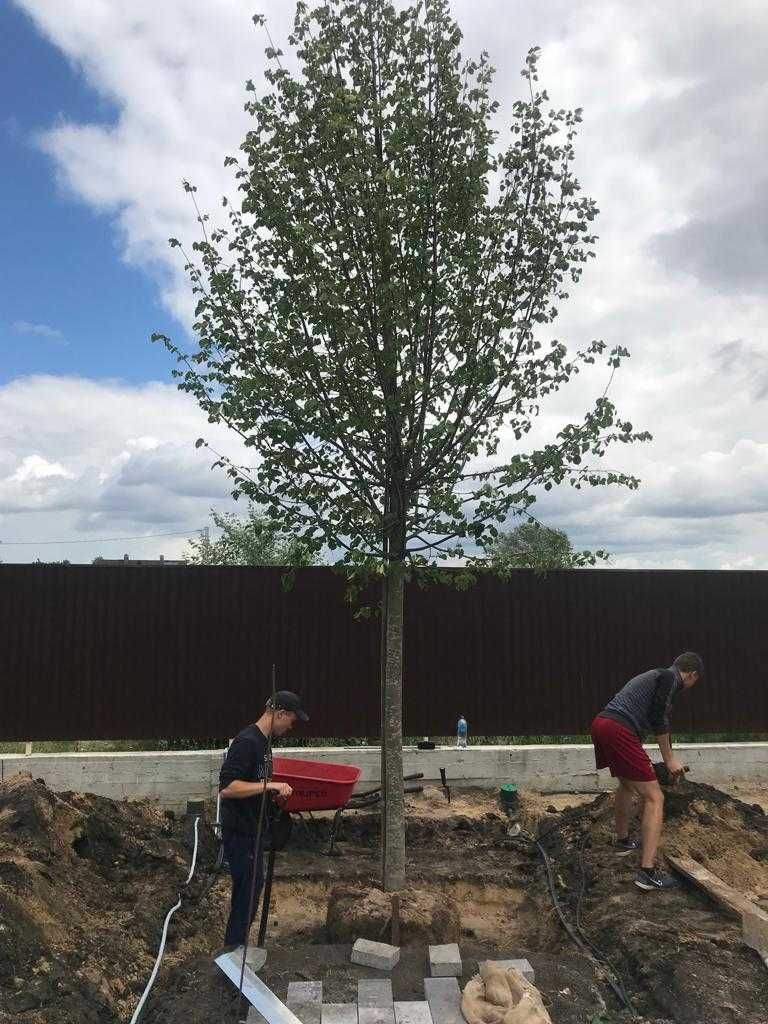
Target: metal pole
{"x": 257, "y": 848}
{"x": 266, "y": 899}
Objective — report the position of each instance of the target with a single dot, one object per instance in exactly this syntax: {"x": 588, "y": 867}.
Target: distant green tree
{"x": 533, "y": 546}
{"x": 253, "y": 540}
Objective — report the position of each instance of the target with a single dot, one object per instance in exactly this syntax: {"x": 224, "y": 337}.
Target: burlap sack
{"x": 496, "y": 996}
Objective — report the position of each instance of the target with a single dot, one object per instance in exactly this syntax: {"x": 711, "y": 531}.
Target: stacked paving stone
{"x": 521, "y": 966}
{"x": 305, "y": 999}
{"x": 375, "y": 1003}
{"x": 375, "y": 954}
{"x": 445, "y": 961}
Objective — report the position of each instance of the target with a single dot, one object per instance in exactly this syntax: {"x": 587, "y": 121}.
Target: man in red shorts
{"x": 641, "y": 707}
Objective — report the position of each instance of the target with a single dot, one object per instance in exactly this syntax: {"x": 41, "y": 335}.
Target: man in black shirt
{"x": 244, "y": 782}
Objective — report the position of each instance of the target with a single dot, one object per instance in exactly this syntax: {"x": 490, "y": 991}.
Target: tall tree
{"x": 253, "y": 540}
{"x": 370, "y": 318}
{"x": 534, "y": 546}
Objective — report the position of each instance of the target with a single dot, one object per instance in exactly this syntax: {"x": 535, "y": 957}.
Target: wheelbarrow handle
{"x": 360, "y": 800}
{"x": 361, "y": 793}
{"x": 377, "y": 789}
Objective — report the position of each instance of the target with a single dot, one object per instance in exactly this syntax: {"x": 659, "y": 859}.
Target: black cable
{"x": 577, "y": 934}
{"x": 617, "y": 989}
{"x": 214, "y": 872}
{"x": 99, "y": 540}
{"x": 598, "y": 954}
{"x": 582, "y": 882}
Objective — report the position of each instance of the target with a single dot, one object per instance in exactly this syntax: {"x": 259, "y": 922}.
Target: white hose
{"x": 194, "y": 855}
{"x": 168, "y": 916}
{"x": 156, "y": 968}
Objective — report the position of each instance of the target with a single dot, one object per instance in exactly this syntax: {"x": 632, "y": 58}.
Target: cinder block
{"x": 374, "y": 1001}
{"x": 445, "y": 961}
{"x": 375, "y": 954}
{"x": 375, "y": 1015}
{"x": 374, "y": 992}
{"x": 754, "y": 927}
{"x": 305, "y": 999}
{"x": 339, "y": 1013}
{"x": 412, "y": 1013}
{"x": 444, "y": 998}
{"x": 521, "y": 966}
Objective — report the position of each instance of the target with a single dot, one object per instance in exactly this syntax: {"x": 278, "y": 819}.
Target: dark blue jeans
{"x": 239, "y": 850}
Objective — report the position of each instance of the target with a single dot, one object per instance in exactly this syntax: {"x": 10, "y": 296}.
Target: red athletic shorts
{"x": 619, "y": 748}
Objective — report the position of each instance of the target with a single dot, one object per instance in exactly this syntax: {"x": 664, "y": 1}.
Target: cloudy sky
{"x": 106, "y": 106}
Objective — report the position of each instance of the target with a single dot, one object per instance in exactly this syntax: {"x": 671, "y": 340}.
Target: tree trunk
{"x": 383, "y": 715}
{"x": 393, "y": 815}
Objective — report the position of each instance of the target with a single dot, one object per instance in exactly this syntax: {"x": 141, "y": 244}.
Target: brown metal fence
{"x": 125, "y": 652}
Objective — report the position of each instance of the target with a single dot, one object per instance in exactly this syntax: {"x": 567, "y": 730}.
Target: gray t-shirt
{"x": 645, "y": 702}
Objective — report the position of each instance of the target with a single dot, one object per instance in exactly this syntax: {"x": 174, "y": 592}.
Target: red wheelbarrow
{"x": 324, "y": 786}
{"x": 317, "y": 786}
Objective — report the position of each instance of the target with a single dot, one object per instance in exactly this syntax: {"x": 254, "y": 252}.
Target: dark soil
{"x": 426, "y": 917}
{"x": 85, "y": 884}
{"x": 679, "y": 955}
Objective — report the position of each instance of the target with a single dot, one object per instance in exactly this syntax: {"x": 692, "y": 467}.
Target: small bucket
{"x": 509, "y": 798}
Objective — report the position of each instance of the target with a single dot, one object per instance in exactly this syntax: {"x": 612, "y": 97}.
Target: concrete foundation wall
{"x": 172, "y": 778}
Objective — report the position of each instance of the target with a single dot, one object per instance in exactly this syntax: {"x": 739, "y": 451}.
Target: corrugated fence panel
{"x": 113, "y": 652}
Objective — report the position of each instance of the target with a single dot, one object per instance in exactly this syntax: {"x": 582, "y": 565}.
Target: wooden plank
{"x": 754, "y": 927}
{"x": 723, "y": 894}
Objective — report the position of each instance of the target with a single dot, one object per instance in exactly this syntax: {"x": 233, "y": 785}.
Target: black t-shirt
{"x": 250, "y": 760}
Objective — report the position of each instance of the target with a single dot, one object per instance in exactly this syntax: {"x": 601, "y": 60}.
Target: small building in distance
{"x": 125, "y": 560}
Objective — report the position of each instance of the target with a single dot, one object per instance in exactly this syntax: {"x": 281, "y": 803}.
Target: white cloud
{"x": 76, "y": 463}
{"x": 40, "y": 330}
{"x": 34, "y": 467}
{"x": 672, "y": 94}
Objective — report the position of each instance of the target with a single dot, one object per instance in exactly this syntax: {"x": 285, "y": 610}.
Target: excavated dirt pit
{"x": 86, "y": 882}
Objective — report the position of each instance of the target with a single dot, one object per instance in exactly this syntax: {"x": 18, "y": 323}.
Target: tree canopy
{"x": 530, "y": 545}
{"x": 373, "y": 318}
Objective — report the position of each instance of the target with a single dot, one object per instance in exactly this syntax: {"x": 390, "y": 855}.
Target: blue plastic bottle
{"x": 461, "y": 732}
